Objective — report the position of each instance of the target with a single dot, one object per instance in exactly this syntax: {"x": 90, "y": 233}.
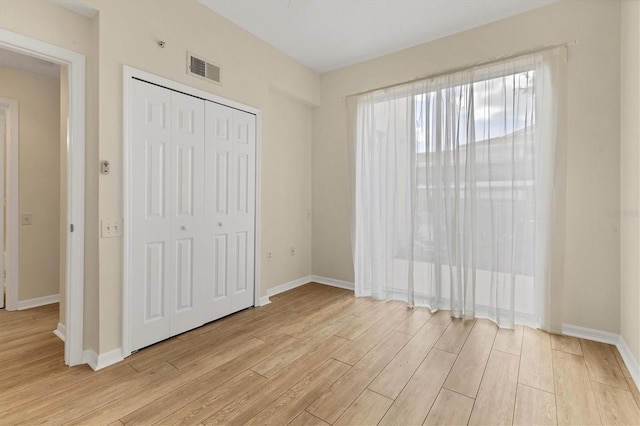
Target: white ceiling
{"x": 21, "y": 62}
{"x": 330, "y": 34}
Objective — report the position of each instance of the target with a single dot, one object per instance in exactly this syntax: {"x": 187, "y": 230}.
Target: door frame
{"x": 74, "y": 285}
{"x": 128, "y": 74}
{"x": 9, "y": 180}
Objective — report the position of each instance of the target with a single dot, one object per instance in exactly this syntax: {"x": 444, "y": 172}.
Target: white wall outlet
{"x": 269, "y": 256}
{"x": 111, "y": 228}
{"x": 27, "y": 219}
{"x": 292, "y": 251}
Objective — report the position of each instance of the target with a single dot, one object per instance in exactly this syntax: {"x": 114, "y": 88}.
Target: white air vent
{"x": 199, "y": 67}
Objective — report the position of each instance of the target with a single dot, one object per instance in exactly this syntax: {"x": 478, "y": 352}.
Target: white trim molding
{"x": 590, "y": 334}
{"x": 302, "y": 281}
{"x": 61, "y": 332}
{"x": 257, "y": 228}
{"x": 332, "y": 282}
{"x": 98, "y": 362}
{"x": 38, "y": 301}
{"x": 288, "y": 286}
{"x": 633, "y": 365}
{"x": 264, "y": 300}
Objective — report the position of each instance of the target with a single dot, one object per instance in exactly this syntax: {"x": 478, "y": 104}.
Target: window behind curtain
{"x": 497, "y": 116}
{"x": 452, "y": 196}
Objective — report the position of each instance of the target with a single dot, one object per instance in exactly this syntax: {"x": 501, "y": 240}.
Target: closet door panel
{"x": 242, "y": 255}
{"x": 219, "y": 217}
{"x": 151, "y": 225}
{"x": 243, "y": 203}
{"x": 187, "y": 222}
{"x": 220, "y": 267}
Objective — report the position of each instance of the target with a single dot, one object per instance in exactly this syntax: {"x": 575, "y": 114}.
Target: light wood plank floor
{"x": 316, "y": 356}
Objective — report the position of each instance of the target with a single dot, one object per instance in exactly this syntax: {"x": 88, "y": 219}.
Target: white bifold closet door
{"x": 193, "y": 212}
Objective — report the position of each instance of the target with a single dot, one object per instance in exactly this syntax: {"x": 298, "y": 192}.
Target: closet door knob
{"x": 185, "y": 227}
{"x": 219, "y": 223}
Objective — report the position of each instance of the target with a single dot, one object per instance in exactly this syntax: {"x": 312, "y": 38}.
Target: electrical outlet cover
{"x": 27, "y": 219}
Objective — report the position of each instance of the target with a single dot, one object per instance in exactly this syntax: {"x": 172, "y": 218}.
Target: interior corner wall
{"x": 286, "y": 190}
{"x": 128, "y": 35}
{"x": 43, "y": 20}
{"x": 630, "y": 176}
{"x": 592, "y": 254}
{"x": 39, "y": 111}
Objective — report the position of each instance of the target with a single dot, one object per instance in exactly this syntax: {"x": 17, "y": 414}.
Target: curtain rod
{"x": 468, "y": 67}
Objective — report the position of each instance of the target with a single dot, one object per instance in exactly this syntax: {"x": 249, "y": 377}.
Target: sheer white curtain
{"x": 454, "y": 181}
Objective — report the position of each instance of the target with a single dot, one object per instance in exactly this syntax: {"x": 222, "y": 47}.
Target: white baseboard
{"x": 97, "y": 362}
{"x": 38, "y": 301}
{"x": 288, "y": 286}
{"x": 264, "y": 300}
{"x": 90, "y": 357}
{"x": 590, "y": 334}
{"x": 633, "y": 365}
{"x": 334, "y": 283}
{"x": 61, "y": 332}
{"x": 302, "y": 281}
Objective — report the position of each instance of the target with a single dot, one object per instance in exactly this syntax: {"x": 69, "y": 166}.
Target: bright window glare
{"x": 498, "y": 107}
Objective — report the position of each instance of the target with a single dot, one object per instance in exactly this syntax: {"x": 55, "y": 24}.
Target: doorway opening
{"x": 71, "y": 211}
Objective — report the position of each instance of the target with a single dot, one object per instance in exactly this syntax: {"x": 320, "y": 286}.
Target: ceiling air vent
{"x": 201, "y": 68}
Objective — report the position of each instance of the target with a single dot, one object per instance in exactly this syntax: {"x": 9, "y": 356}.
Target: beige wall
{"x": 39, "y": 173}
{"x": 591, "y": 290}
{"x": 286, "y": 190}
{"x": 630, "y": 177}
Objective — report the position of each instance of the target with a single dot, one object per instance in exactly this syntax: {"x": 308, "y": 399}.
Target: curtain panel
{"x": 458, "y": 191}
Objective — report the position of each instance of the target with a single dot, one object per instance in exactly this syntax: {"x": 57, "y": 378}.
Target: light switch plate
{"x": 111, "y": 228}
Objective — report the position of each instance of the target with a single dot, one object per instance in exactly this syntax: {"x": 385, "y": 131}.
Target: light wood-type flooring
{"x": 315, "y": 356}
